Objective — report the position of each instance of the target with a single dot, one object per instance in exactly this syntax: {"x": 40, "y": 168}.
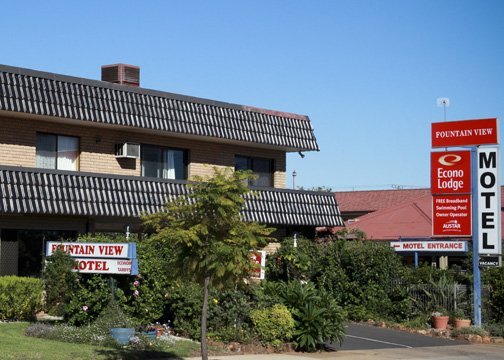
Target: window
{"x": 262, "y": 168}
{"x": 163, "y": 163}
{"x": 57, "y": 152}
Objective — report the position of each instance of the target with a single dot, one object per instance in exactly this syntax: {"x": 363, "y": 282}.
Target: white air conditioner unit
{"x": 127, "y": 151}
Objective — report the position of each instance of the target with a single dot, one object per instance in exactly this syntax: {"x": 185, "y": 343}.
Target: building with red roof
{"x": 391, "y": 215}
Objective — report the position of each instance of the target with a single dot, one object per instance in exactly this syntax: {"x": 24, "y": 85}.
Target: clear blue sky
{"x": 368, "y": 73}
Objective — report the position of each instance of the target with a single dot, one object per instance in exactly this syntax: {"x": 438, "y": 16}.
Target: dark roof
{"x": 47, "y": 94}
{"x": 50, "y": 192}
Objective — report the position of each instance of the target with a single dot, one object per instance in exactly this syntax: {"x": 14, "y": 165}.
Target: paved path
{"x": 365, "y": 342}
{"x": 365, "y": 337}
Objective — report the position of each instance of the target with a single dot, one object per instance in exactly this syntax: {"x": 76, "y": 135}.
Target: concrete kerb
{"x": 470, "y": 352}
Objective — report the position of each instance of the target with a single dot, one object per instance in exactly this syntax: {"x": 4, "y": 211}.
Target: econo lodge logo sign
{"x": 451, "y": 172}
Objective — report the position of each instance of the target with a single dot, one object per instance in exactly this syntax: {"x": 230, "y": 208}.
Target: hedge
{"x": 20, "y": 297}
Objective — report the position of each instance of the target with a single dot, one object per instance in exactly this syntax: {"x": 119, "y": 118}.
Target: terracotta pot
{"x": 440, "y": 322}
{"x": 462, "y": 323}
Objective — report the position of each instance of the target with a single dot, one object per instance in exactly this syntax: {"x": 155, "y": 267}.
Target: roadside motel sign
{"x": 486, "y": 213}
{"x": 429, "y": 246}
{"x": 465, "y": 133}
{"x": 99, "y": 258}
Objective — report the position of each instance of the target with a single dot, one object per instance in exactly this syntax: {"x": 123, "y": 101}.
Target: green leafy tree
{"x": 211, "y": 242}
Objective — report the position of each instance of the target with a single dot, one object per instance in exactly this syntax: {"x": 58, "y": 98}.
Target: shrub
{"x": 273, "y": 325}
{"x": 293, "y": 263}
{"x": 317, "y": 316}
{"x": 184, "y": 304}
{"x": 495, "y": 329}
{"x": 229, "y": 309}
{"x": 112, "y": 317}
{"x": 154, "y": 261}
{"x": 494, "y": 278}
{"x": 92, "y": 294}
{"x": 472, "y": 330}
{"x": 59, "y": 282}
{"x": 359, "y": 276}
{"x": 20, "y": 298}
{"x": 230, "y": 334}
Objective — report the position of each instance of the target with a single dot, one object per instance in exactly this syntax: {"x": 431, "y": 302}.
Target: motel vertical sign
{"x": 489, "y": 202}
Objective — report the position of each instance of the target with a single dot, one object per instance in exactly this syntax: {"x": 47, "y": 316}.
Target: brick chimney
{"x": 123, "y": 74}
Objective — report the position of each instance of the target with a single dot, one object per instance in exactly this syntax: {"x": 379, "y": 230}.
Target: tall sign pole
{"x": 475, "y": 245}
{"x": 485, "y": 191}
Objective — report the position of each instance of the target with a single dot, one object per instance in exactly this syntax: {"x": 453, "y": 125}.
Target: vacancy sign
{"x": 451, "y": 172}
{"x": 429, "y": 246}
{"x": 464, "y": 133}
{"x": 489, "y": 198}
{"x": 451, "y": 215}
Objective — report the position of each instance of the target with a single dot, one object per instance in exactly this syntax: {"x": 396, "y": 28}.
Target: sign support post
{"x": 476, "y": 269}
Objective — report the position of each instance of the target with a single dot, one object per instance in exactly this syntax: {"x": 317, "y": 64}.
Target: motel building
{"x": 403, "y": 218}
{"x": 81, "y": 156}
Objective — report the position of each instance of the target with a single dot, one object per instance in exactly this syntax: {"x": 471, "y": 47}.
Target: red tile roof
{"x": 368, "y": 201}
{"x": 411, "y": 218}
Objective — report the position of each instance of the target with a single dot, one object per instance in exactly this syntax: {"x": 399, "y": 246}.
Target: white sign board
{"x": 94, "y": 250}
{"x": 430, "y": 246}
{"x": 259, "y": 257}
{"x": 489, "y": 199}
{"x": 104, "y": 266}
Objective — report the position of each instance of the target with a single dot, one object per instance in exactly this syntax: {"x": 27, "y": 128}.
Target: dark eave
{"x": 45, "y": 94}
{"x": 50, "y": 192}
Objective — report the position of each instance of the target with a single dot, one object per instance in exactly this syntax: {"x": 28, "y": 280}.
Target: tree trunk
{"x": 204, "y": 314}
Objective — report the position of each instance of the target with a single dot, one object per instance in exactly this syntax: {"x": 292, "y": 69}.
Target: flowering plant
{"x": 146, "y": 328}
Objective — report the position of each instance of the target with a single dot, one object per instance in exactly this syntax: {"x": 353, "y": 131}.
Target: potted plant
{"x": 121, "y": 326}
{"x": 149, "y": 331}
{"x": 439, "y": 320}
{"x": 460, "y": 319}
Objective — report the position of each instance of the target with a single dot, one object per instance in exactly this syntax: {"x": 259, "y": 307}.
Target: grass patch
{"x": 14, "y": 344}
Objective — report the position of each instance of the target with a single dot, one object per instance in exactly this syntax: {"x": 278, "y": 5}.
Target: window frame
{"x": 57, "y": 136}
{"x": 250, "y": 166}
{"x": 185, "y": 160}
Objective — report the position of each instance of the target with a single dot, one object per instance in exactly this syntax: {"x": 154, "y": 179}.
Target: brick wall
{"x": 97, "y": 144}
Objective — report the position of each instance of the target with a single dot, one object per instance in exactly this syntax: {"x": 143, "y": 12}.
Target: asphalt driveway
{"x": 366, "y": 337}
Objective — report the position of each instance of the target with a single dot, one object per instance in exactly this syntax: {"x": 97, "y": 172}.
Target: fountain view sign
{"x": 99, "y": 258}
{"x": 464, "y": 133}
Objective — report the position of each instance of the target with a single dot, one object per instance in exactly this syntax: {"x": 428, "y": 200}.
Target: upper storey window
{"x": 164, "y": 163}
{"x": 57, "y": 152}
{"x": 261, "y": 167}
